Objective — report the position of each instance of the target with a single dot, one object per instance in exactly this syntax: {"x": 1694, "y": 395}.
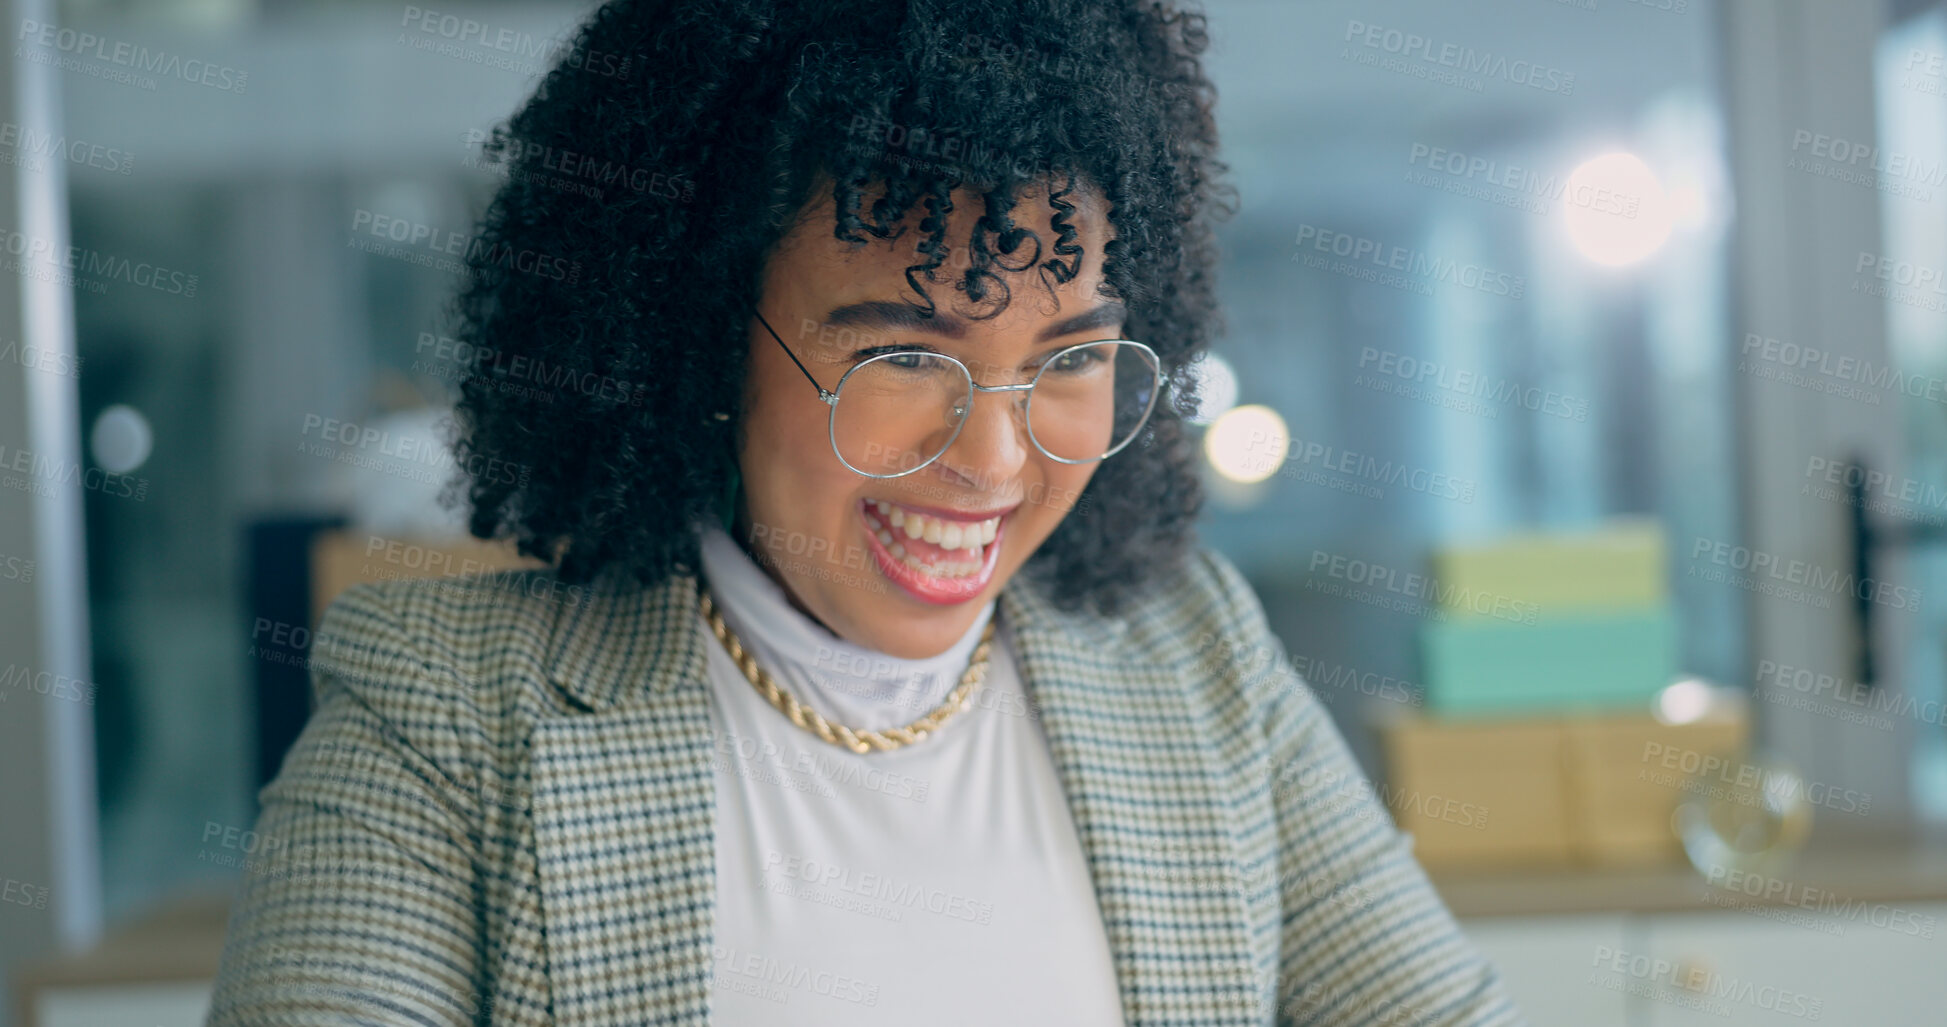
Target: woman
{"x": 877, "y": 678}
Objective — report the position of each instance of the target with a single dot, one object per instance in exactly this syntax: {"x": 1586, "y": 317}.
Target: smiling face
{"x": 903, "y": 565}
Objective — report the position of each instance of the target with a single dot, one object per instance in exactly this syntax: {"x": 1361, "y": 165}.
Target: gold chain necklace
{"x": 859, "y": 741}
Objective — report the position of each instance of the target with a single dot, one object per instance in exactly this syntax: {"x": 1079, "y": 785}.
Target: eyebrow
{"x": 884, "y": 315}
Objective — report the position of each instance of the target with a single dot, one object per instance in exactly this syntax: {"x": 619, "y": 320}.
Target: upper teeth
{"x": 946, "y": 534}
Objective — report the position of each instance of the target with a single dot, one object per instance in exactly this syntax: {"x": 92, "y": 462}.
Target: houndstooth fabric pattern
{"x": 501, "y": 811}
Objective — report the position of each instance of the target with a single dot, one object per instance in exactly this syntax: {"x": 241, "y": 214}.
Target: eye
{"x": 908, "y": 357}
{"x": 908, "y": 360}
{"x": 1078, "y": 361}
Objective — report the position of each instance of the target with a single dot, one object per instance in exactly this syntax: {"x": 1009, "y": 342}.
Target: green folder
{"x": 1620, "y": 564}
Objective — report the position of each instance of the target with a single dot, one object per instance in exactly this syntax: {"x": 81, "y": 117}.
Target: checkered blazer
{"x": 501, "y": 811}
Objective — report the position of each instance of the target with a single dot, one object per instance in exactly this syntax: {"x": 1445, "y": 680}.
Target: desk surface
{"x": 1892, "y": 873}
{"x": 183, "y": 939}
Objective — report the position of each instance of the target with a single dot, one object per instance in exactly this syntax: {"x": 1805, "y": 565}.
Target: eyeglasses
{"x": 899, "y": 411}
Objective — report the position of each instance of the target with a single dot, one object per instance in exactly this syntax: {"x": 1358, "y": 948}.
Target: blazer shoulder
{"x": 1206, "y": 620}
{"x": 444, "y": 638}
{"x": 1232, "y": 598}
{"x": 1203, "y": 598}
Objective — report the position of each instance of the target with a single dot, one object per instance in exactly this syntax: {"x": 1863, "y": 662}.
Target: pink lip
{"x": 926, "y": 588}
{"x": 962, "y": 516}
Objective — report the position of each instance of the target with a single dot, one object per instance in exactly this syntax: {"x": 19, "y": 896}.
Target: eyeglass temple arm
{"x": 822, "y": 394}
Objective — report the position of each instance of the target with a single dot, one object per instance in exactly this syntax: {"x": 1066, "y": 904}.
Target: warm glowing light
{"x": 1247, "y": 443}
{"x": 1616, "y": 210}
{"x": 1687, "y": 206}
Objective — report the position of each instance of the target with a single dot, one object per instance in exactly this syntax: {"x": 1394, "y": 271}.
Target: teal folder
{"x": 1565, "y": 661}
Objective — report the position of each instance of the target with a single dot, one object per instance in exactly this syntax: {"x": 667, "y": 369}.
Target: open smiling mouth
{"x": 937, "y": 556}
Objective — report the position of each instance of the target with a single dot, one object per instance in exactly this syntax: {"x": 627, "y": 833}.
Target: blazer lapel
{"x": 624, "y": 808}
{"x": 1145, "y": 788}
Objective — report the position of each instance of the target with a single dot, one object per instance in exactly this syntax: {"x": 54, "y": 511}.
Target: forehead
{"x": 813, "y": 271}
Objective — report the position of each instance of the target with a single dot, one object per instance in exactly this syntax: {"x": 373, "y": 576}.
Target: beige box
{"x": 1541, "y": 792}
{"x": 1507, "y": 777}
{"x": 1621, "y": 816}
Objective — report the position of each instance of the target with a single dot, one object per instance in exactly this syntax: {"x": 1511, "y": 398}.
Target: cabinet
{"x": 1849, "y": 962}
{"x": 1546, "y": 962}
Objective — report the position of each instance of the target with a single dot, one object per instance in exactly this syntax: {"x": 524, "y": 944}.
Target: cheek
{"x": 1053, "y": 497}
{"x": 801, "y": 483}
{"x": 784, "y": 432}
{"x": 1065, "y": 485}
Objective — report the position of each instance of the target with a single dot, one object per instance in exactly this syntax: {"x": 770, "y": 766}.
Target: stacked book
{"x": 1544, "y": 666}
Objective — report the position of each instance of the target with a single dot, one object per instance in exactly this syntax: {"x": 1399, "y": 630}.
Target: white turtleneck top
{"x": 943, "y": 883}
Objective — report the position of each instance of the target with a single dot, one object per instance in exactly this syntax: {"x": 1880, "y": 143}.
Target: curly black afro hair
{"x": 675, "y": 143}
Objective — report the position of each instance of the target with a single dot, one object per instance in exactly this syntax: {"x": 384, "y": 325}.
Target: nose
{"x": 993, "y": 444}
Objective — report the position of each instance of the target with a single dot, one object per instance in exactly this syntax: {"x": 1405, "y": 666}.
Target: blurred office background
{"x": 1580, "y": 423}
